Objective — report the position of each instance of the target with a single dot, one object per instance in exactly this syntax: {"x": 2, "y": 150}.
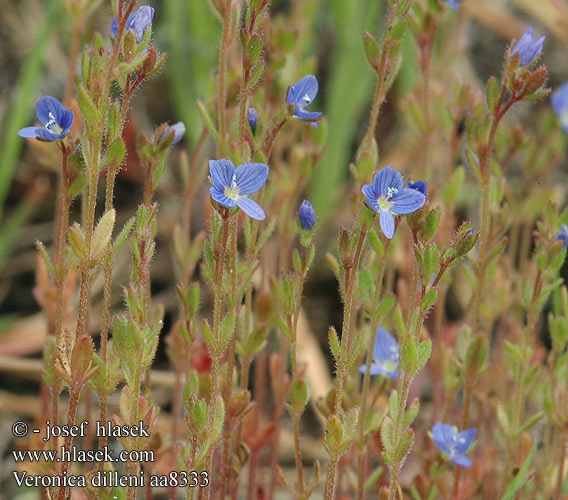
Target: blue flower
{"x": 388, "y": 196}
{"x": 562, "y": 235}
{"x": 252, "y": 117}
{"x": 231, "y": 186}
{"x": 559, "y": 100}
{"x": 417, "y": 186}
{"x": 138, "y": 22}
{"x": 178, "y": 129}
{"x": 454, "y": 4}
{"x": 306, "y": 215}
{"x": 302, "y": 94}
{"x": 385, "y": 355}
{"x": 453, "y": 443}
{"x": 55, "y": 120}
{"x": 528, "y": 48}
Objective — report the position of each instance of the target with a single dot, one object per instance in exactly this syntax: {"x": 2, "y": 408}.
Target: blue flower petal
{"x": 407, "y": 201}
{"x": 221, "y": 198}
{"x": 113, "y": 27}
{"x": 304, "y": 92}
{"x": 461, "y": 460}
{"x": 437, "y": 431}
{"x": 561, "y": 235}
{"x": 449, "y": 433}
{"x": 141, "y": 21}
{"x": 221, "y": 173}
{"x": 385, "y": 347}
{"x": 65, "y": 119}
{"x": 379, "y": 369}
{"x": 28, "y": 132}
{"x": 306, "y": 215}
{"x": 528, "y": 48}
{"x": 179, "y": 131}
{"x": 464, "y": 440}
{"x": 47, "y": 105}
{"x": 375, "y": 369}
{"x": 417, "y": 186}
{"x": 371, "y": 196}
{"x": 453, "y": 3}
{"x": 46, "y": 135}
{"x": 250, "y": 207}
{"x": 302, "y": 114}
{"x": 252, "y": 118}
{"x": 387, "y": 223}
{"x": 386, "y": 178}
{"x": 250, "y": 177}
{"x": 559, "y": 101}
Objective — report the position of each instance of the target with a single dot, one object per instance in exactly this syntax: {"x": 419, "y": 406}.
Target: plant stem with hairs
{"x": 350, "y": 276}
{"x": 361, "y": 448}
{"x": 221, "y": 78}
{"x": 226, "y": 440}
{"x": 95, "y": 157}
{"x": 215, "y": 357}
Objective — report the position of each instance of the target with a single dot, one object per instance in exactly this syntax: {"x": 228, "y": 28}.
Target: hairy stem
{"x": 342, "y": 363}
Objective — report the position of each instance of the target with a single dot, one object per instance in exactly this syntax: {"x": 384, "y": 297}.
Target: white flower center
{"x": 388, "y": 365}
{"x": 306, "y": 99}
{"x": 52, "y": 125}
{"x": 391, "y": 192}
{"x": 232, "y": 191}
{"x": 384, "y": 203}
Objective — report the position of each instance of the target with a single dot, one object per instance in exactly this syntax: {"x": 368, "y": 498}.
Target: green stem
{"x": 301, "y": 276}
{"x": 221, "y": 79}
{"x": 62, "y": 223}
{"x": 342, "y": 363}
{"x": 133, "y": 466}
{"x": 225, "y": 465}
{"x": 217, "y": 307}
{"x": 361, "y": 448}
{"x": 74, "y": 392}
{"x": 94, "y": 166}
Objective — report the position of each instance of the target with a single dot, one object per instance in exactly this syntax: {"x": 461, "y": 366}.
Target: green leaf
{"x": 45, "y": 257}
{"x": 366, "y": 286}
{"x": 76, "y": 238}
{"x": 102, "y": 235}
{"x": 521, "y": 478}
{"x": 333, "y": 434}
{"x": 227, "y": 329}
{"x": 405, "y": 445}
{"x": 115, "y": 154}
{"x": 423, "y": 354}
{"x": 411, "y": 413}
{"x": 385, "y": 307}
{"x": 219, "y": 418}
{"x": 208, "y": 338}
{"x": 124, "y": 233}
{"x": 372, "y": 51}
{"x": 207, "y": 120}
{"x": 254, "y": 78}
{"x": 299, "y": 395}
{"x": 428, "y": 300}
{"x": 87, "y": 107}
{"x": 334, "y": 344}
{"x": 492, "y": 93}
{"x": 349, "y": 428}
{"x": 387, "y": 436}
{"x": 408, "y": 356}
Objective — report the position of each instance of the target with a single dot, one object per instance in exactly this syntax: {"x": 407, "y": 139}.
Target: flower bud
{"x": 252, "y": 118}
{"x": 306, "y": 215}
